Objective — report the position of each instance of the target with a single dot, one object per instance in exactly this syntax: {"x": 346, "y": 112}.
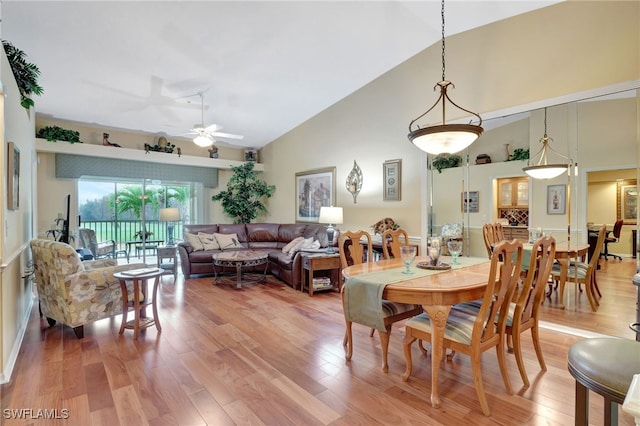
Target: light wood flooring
{"x": 269, "y": 355}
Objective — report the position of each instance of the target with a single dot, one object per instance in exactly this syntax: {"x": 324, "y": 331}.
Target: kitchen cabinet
{"x": 513, "y": 193}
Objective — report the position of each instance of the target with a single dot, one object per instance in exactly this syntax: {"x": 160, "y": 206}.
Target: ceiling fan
{"x": 205, "y": 135}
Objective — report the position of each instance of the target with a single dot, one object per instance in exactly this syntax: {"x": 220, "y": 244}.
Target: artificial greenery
{"x": 55, "y": 133}
{"x": 25, "y": 73}
{"x": 445, "y": 161}
{"x": 243, "y": 199}
{"x": 519, "y": 154}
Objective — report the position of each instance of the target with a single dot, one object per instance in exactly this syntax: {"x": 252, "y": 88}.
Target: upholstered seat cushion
{"x": 605, "y": 365}
{"x": 392, "y": 308}
{"x": 459, "y": 325}
{"x": 571, "y": 271}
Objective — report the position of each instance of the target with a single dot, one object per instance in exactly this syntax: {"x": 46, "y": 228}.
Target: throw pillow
{"x": 305, "y": 243}
{"x": 194, "y": 241}
{"x": 208, "y": 241}
{"x": 286, "y": 249}
{"x": 228, "y": 241}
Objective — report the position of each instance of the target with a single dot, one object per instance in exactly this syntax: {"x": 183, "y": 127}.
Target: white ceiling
{"x": 264, "y": 66}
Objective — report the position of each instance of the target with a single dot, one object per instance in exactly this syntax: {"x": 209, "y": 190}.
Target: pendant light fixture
{"x": 542, "y": 169}
{"x": 444, "y": 138}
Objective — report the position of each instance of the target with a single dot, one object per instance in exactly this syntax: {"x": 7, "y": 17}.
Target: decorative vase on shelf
{"x": 506, "y": 152}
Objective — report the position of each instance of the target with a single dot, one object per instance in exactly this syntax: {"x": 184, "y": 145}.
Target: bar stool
{"x": 605, "y": 366}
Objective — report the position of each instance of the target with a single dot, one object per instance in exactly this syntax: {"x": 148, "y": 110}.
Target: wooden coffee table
{"x": 240, "y": 259}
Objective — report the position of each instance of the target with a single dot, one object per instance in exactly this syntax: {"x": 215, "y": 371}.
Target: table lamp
{"x": 331, "y": 216}
{"x": 171, "y": 215}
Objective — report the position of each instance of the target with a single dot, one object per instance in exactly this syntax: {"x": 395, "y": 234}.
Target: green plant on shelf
{"x": 519, "y": 154}
{"x": 445, "y": 161}
{"x": 55, "y": 133}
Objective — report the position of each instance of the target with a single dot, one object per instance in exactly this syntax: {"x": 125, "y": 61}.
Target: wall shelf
{"x": 92, "y": 150}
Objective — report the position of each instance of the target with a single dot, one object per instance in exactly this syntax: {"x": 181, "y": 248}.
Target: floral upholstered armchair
{"x": 72, "y": 292}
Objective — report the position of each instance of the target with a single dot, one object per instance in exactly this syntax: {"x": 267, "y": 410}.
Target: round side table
{"x": 139, "y": 279}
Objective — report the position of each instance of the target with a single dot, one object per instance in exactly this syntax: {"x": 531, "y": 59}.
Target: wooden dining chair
{"x": 353, "y": 252}
{"x": 474, "y": 333}
{"x": 492, "y": 234}
{"x": 526, "y": 301}
{"x": 392, "y": 239}
{"x": 583, "y": 273}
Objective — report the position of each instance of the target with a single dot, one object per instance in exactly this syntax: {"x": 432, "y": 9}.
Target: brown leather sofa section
{"x": 259, "y": 236}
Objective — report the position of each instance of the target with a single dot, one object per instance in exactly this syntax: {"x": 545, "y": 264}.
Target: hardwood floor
{"x": 269, "y": 355}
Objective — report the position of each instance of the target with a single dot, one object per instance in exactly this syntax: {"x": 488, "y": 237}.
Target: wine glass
{"x": 455, "y": 248}
{"x": 407, "y": 253}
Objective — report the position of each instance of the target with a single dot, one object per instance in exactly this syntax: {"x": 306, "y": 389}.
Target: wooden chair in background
{"x": 582, "y": 273}
{"x": 391, "y": 242}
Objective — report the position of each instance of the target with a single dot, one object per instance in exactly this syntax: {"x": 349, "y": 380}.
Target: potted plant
{"x": 140, "y": 233}
{"x": 519, "y": 154}
{"x": 55, "y": 133}
{"x": 243, "y": 199}
{"x": 445, "y": 161}
{"x": 25, "y": 73}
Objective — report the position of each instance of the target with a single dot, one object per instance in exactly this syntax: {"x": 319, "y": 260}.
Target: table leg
{"x": 125, "y": 304}
{"x": 239, "y": 275}
{"x": 438, "y": 315}
{"x": 136, "y": 308}
{"x": 564, "y": 267}
{"x": 156, "y": 319}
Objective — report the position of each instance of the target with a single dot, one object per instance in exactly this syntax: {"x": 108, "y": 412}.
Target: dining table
{"x": 436, "y": 290}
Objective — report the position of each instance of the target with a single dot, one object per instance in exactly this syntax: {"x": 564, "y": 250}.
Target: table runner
{"x": 363, "y": 293}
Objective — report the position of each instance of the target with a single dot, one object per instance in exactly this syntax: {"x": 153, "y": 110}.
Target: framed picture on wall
{"x": 470, "y": 202}
{"x": 627, "y": 202}
{"x": 314, "y": 189}
{"x": 392, "y": 180}
{"x": 13, "y": 176}
{"x": 556, "y": 199}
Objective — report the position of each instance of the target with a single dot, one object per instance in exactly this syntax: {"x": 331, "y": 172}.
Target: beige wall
{"x": 504, "y": 65}
{"x": 16, "y": 295}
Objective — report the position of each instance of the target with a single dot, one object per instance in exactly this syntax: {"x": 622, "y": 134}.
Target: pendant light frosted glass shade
{"x": 445, "y": 138}
{"x": 542, "y": 169}
{"x": 203, "y": 141}
{"x": 547, "y": 171}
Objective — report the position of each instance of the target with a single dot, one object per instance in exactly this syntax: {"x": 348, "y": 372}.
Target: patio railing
{"x": 122, "y": 231}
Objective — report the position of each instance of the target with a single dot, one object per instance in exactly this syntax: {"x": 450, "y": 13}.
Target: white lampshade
{"x": 203, "y": 141}
{"x": 330, "y": 215}
{"x": 170, "y": 214}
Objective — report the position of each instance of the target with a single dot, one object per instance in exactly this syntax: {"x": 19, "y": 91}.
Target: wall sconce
{"x": 354, "y": 181}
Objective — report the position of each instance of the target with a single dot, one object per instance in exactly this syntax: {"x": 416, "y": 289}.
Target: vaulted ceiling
{"x": 263, "y": 67}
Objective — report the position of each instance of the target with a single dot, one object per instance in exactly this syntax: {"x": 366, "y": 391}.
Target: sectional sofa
{"x": 272, "y": 237}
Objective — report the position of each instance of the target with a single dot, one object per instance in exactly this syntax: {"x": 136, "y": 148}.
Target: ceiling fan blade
{"x": 226, "y": 135}
{"x": 212, "y": 128}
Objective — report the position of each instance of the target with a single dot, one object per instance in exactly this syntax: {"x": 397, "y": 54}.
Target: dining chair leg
{"x": 502, "y": 362}
{"x": 477, "y": 380}
{"x": 372, "y": 331}
{"x": 406, "y": 347}
{"x": 517, "y": 349}
{"x": 384, "y": 345}
{"x": 591, "y": 297}
{"x": 348, "y": 341}
{"x": 424, "y": 350}
{"x": 535, "y": 335}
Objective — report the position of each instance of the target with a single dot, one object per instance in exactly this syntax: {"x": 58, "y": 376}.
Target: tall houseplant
{"x": 25, "y": 73}
{"x": 243, "y": 199}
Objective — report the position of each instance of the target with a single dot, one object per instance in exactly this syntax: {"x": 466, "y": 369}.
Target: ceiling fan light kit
{"x": 205, "y": 135}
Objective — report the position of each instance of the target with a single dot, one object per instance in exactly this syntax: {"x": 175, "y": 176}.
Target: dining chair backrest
{"x": 506, "y": 264}
{"x": 593, "y": 261}
{"x": 498, "y": 231}
{"x": 352, "y": 252}
{"x": 489, "y": 237}
{"x": 392, "y": 239}
{"x": 532, "y": 292}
